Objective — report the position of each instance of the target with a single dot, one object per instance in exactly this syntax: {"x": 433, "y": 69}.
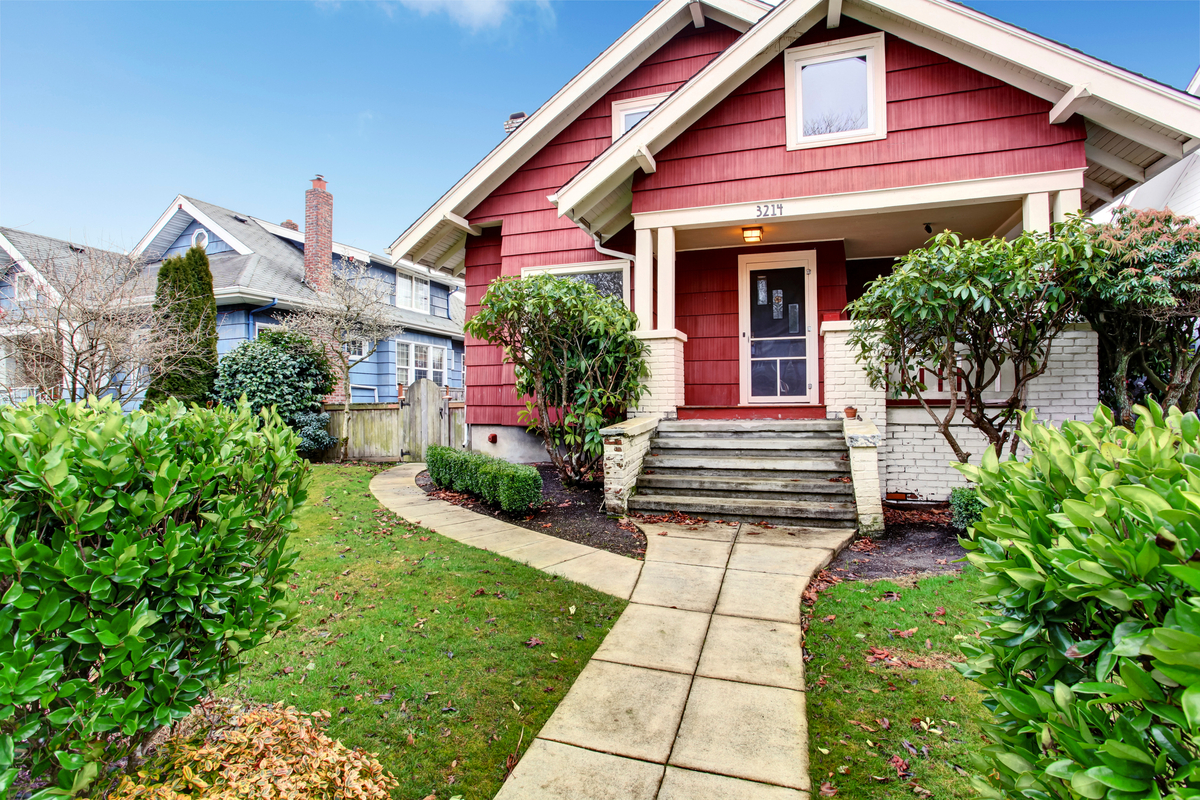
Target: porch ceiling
{"x": 868, "y": 235}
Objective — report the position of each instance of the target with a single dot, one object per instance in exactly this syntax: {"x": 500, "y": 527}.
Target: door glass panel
{"x": 764, "y": 378}
{"x": 778, "y": 334}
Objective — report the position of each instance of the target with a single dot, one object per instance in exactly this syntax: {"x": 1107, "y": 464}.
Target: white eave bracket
{"x": 645, "y": 160}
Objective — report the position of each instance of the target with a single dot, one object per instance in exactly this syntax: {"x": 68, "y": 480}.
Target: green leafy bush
{"x": 285, "y": 370}
{"x": 965, "y": 507}
{"x": 513, "y": 487}
{"x": 143, "y": 552}
{"x": 185, "y": 292}
{"x": 1090, "y": 658}
{"x": 576, "y": 356}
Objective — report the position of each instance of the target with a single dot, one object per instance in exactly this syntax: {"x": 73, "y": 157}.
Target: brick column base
{"x": 864, "y": 441}
{"x": 625, "y": 446}
{"x": 664, "y": 387}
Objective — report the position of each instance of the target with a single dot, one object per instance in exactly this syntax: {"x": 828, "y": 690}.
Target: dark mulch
{"x": 913, "y": 542}
{"x": 571, "y": 513}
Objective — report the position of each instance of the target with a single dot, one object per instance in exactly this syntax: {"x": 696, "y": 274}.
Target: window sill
{"x": 810, "y": 144}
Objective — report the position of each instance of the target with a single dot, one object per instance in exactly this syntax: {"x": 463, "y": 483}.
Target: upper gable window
{"x": 23, "y": 287}
{"x": 412, "y": 292}
{"x": 835, "y": 92}
{"x": 627, "y": 113}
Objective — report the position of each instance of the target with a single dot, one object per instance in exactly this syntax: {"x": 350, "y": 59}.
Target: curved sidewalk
{"x": 612, "y": 574}
{"x": 698, "y": 690}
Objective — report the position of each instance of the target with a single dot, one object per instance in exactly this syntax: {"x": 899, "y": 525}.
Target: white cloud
{"x": 475, "y": 15}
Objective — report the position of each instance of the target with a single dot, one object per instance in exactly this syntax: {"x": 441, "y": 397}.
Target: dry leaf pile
{"x": 263, "y": 752}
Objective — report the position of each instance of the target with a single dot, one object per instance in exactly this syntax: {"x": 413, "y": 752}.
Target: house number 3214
{"x": 769, "y": 210}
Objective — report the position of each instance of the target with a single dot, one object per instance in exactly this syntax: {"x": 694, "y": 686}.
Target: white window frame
{"x": 260, "y": 326}
{"x": 407, "y": 348}
{"x": 363, "y": 345}
{"x": 428, "y": 368}
{"x": 374, "y": 390}
{"x": 614, "y": 265}
{"x": 24, "y": 287}
{"x": 196, "y": 235}
{"x": 621, "y": 108}
{"x": 871, "y": 46}
{"x": 413, "y": 280}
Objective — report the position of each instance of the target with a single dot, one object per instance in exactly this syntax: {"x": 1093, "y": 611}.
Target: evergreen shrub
{"x": 142, "y": 552}
{"x": 513, "y": 487}
{"x": 1089, "y": 655}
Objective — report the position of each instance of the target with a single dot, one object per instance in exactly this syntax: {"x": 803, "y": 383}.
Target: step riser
{"x": 799, "y": 522}
{"x": 798, "y": 436}
{"x": 743, "y": 443}
{"x": 765, "y": 465}
{"x": 766, "y": 498}
{"x": 715, "y": 455}
{"x": 760, "y": 474}
{"x": 685, "y": 484}
{"x": 717, "y": 505}
{"x": 740, "y": 426}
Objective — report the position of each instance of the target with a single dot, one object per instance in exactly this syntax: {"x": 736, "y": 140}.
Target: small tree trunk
{"x": 1120, "y": 379}
{"x": 345, "y": 413}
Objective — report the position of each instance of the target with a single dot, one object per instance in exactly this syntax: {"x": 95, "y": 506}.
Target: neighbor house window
{"x": 627, "y": 113}
{"x": 356, "y": 348}
{"x": 200, "y": 239}
{"x": 609, "y": 277}
{"x": 23, "y": 288}
{"x": 429, "y": 361}
{"x": 403, "y": 363}
{"x": 412, "y": 292}
{"x": 835, "y": 92}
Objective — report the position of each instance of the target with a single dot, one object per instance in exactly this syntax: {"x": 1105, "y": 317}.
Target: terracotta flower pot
{"x": 851, "y": 412}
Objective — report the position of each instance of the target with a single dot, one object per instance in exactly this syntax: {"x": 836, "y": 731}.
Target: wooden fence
{"x": 401, "y": 431}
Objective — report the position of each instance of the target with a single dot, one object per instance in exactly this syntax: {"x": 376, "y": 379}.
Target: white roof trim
{"x": 1194, "y": 85}
{"x": 606, "y": 70}
{"x": 181, "y": 203}
{"x": 962, "y": 26}
{"x": 22, "y": 262}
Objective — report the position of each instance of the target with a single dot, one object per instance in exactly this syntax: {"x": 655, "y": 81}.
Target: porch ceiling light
{"x": 752, "y": 235}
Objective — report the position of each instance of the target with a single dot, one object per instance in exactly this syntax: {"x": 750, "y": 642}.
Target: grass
{"x": 420, "y": 646}
{"x": 861, "y": 712}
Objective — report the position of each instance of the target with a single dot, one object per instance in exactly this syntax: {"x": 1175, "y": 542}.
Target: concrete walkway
{"x": 612, "y": 574}
{"x": 698, "y": 690}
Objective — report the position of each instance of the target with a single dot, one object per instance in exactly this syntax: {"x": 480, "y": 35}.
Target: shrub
{"x": 263, "y": 751}
{"x": 575, "y": 356}
{"x": 513, "y": 487}
{"x": 1089, "y": 655}
{"x": 285, "y": 370}
{"x": 185, "y": 293}
{"x": 965, "y": 507}
{"x": 144, "y": 551}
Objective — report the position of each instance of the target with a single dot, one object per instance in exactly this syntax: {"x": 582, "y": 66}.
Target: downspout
{"x": 250, "y": 317}
{"x": 602, "y": 250}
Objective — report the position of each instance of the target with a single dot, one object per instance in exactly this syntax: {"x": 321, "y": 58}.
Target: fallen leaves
{"x": 827, "y": 790}
{"x": 533, "y": 641}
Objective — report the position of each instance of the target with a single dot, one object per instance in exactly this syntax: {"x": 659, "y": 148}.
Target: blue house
{"x": 262, "y": 270}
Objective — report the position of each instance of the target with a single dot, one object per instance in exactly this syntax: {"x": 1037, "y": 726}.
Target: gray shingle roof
{"x": 57, "y": 260}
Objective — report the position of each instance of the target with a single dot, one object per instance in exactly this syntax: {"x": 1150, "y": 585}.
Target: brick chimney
{"x": 514, "y": 121}
{"x": 318, "y": 235}
{"x": 291, "y": 226}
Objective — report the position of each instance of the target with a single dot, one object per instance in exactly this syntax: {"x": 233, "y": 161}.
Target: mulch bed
{"x": 914, "y": 542}
{"x": 571, "y": 513}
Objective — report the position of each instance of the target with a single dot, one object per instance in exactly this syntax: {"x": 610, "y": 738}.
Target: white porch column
{"x": 1067, "y": 201}
{"x": 643, "y": 280}
{"x": 1035, "y": 212}
{"x": 666, "y": 279}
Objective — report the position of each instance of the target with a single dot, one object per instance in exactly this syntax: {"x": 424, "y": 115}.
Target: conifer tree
{"x": 191, "y": 312}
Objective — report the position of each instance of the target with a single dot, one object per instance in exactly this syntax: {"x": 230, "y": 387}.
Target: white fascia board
{"x": 1115, "y": 86}
{"x": 181, "y": 203}
{"x": 874, "y": 201}
{"x": 10, "y": 249}
{"x": 605, "y": 71}
{"x": 674, "y": 115}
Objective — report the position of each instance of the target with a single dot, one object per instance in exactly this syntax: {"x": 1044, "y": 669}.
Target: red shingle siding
{"x": 706, "y": 310}
{"x": 946, "y": 122}
{"x": 532, "y": 234}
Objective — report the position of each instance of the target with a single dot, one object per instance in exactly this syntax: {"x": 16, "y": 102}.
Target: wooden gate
{"x": 426, "y": 418}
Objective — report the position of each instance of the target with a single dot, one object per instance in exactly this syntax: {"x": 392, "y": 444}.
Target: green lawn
{"x": 862, "y": 712}
{"x": 419, "y": 645}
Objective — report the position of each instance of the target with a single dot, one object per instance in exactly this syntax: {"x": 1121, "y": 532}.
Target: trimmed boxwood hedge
{"x": 513, "y": 487}
{"x": 965, "y": 507}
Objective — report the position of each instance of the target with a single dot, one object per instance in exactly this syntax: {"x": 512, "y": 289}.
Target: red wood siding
{"x": 946, "y": 122}
{"x": 531, "y": 233}
{"x": 706, "y": 296}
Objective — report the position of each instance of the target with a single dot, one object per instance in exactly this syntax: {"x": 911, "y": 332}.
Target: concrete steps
{"x": 785, "y": 472}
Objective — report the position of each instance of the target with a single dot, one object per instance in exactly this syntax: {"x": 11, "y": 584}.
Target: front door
{"x": 778, "y": 315}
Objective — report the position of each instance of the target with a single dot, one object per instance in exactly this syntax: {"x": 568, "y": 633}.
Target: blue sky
{"x": 109, "y": 109}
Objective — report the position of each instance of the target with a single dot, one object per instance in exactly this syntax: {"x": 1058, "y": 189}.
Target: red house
{"x": 739, "y": 171}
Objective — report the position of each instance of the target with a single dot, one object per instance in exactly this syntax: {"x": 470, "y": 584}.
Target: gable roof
{"x": 436, "y": 239}
{"x": 267, "y": 260}
{"x": 1136, "y": 127}
{"x": 29, "y": 250}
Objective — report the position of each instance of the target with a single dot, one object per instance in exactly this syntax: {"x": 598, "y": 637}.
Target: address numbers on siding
{"x": 769, "y": 210}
